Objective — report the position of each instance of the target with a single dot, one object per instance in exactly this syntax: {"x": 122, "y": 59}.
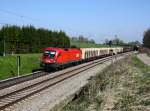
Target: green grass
{"x": 87, "y": 45}
{"x": 8, "y": 65}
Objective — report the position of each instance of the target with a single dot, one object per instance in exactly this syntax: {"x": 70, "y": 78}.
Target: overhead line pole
{"x": 4, "y": 46}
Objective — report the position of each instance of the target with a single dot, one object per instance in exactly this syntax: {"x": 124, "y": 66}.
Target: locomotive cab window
{"x": 49, "y": 53}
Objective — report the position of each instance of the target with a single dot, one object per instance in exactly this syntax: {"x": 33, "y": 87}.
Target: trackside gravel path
{"x": 144, "y": 58}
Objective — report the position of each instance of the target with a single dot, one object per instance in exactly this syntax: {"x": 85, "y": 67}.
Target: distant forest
{"x": 28, "y": 39}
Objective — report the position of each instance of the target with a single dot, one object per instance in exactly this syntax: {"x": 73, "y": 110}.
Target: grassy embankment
{"x": 8, "y": 65}
{"x": 123, "y": 86}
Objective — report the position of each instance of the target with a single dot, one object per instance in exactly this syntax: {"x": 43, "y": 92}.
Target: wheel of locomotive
{"x": 62, "y": 67}
{"x": 57, "y": 68}
{"x": 46, "y": 69}
{"x": 76, "y": 63}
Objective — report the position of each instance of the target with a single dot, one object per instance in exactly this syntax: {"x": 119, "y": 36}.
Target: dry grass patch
{"x": 123, "y": 86}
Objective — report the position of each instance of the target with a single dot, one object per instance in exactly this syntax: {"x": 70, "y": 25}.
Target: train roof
{"x": 61, "y": 49}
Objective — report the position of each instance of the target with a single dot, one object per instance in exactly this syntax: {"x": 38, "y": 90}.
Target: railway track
{"x": 11, "y": 98}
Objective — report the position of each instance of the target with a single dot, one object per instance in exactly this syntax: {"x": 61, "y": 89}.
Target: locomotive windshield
{"x": 49, "y": 53}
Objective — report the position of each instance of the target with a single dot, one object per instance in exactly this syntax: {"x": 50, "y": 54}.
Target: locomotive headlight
{"x": 48, "y": 61}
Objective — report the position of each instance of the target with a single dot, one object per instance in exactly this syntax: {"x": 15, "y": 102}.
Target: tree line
{"x": 28, "y": 39}
{"x": 118, "y": 42}
{"x": 82, "y": 39}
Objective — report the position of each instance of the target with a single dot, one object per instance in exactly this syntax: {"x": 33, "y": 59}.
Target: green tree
{"x": 28, "y": 39}
{"x": 146, "y": 39}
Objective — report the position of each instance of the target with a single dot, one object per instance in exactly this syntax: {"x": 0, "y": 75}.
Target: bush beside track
{"x": 8, "y": 65}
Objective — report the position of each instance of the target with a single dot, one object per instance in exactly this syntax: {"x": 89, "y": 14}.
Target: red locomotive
{"x": 59, "y": 57}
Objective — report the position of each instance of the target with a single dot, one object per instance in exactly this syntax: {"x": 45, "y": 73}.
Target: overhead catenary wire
{"x": 22, "y": 17}
{"x": 19, "y": 15}
{"x": 35, "y": 21}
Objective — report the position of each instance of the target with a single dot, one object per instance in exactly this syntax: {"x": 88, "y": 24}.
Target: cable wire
{"x": 18, "y": 15}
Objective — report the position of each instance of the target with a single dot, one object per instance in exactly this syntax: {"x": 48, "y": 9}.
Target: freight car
{"x": 94, "y": 53}
{"x": 55, "y": 58}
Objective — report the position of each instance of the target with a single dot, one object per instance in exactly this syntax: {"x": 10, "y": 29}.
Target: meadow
{"x": 8, "y": 64}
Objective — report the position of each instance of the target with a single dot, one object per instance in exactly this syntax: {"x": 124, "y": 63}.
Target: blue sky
{"x": 97, "y": 19}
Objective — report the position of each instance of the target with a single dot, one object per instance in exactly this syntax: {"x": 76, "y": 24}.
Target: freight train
{"x": 58, "y": 58}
